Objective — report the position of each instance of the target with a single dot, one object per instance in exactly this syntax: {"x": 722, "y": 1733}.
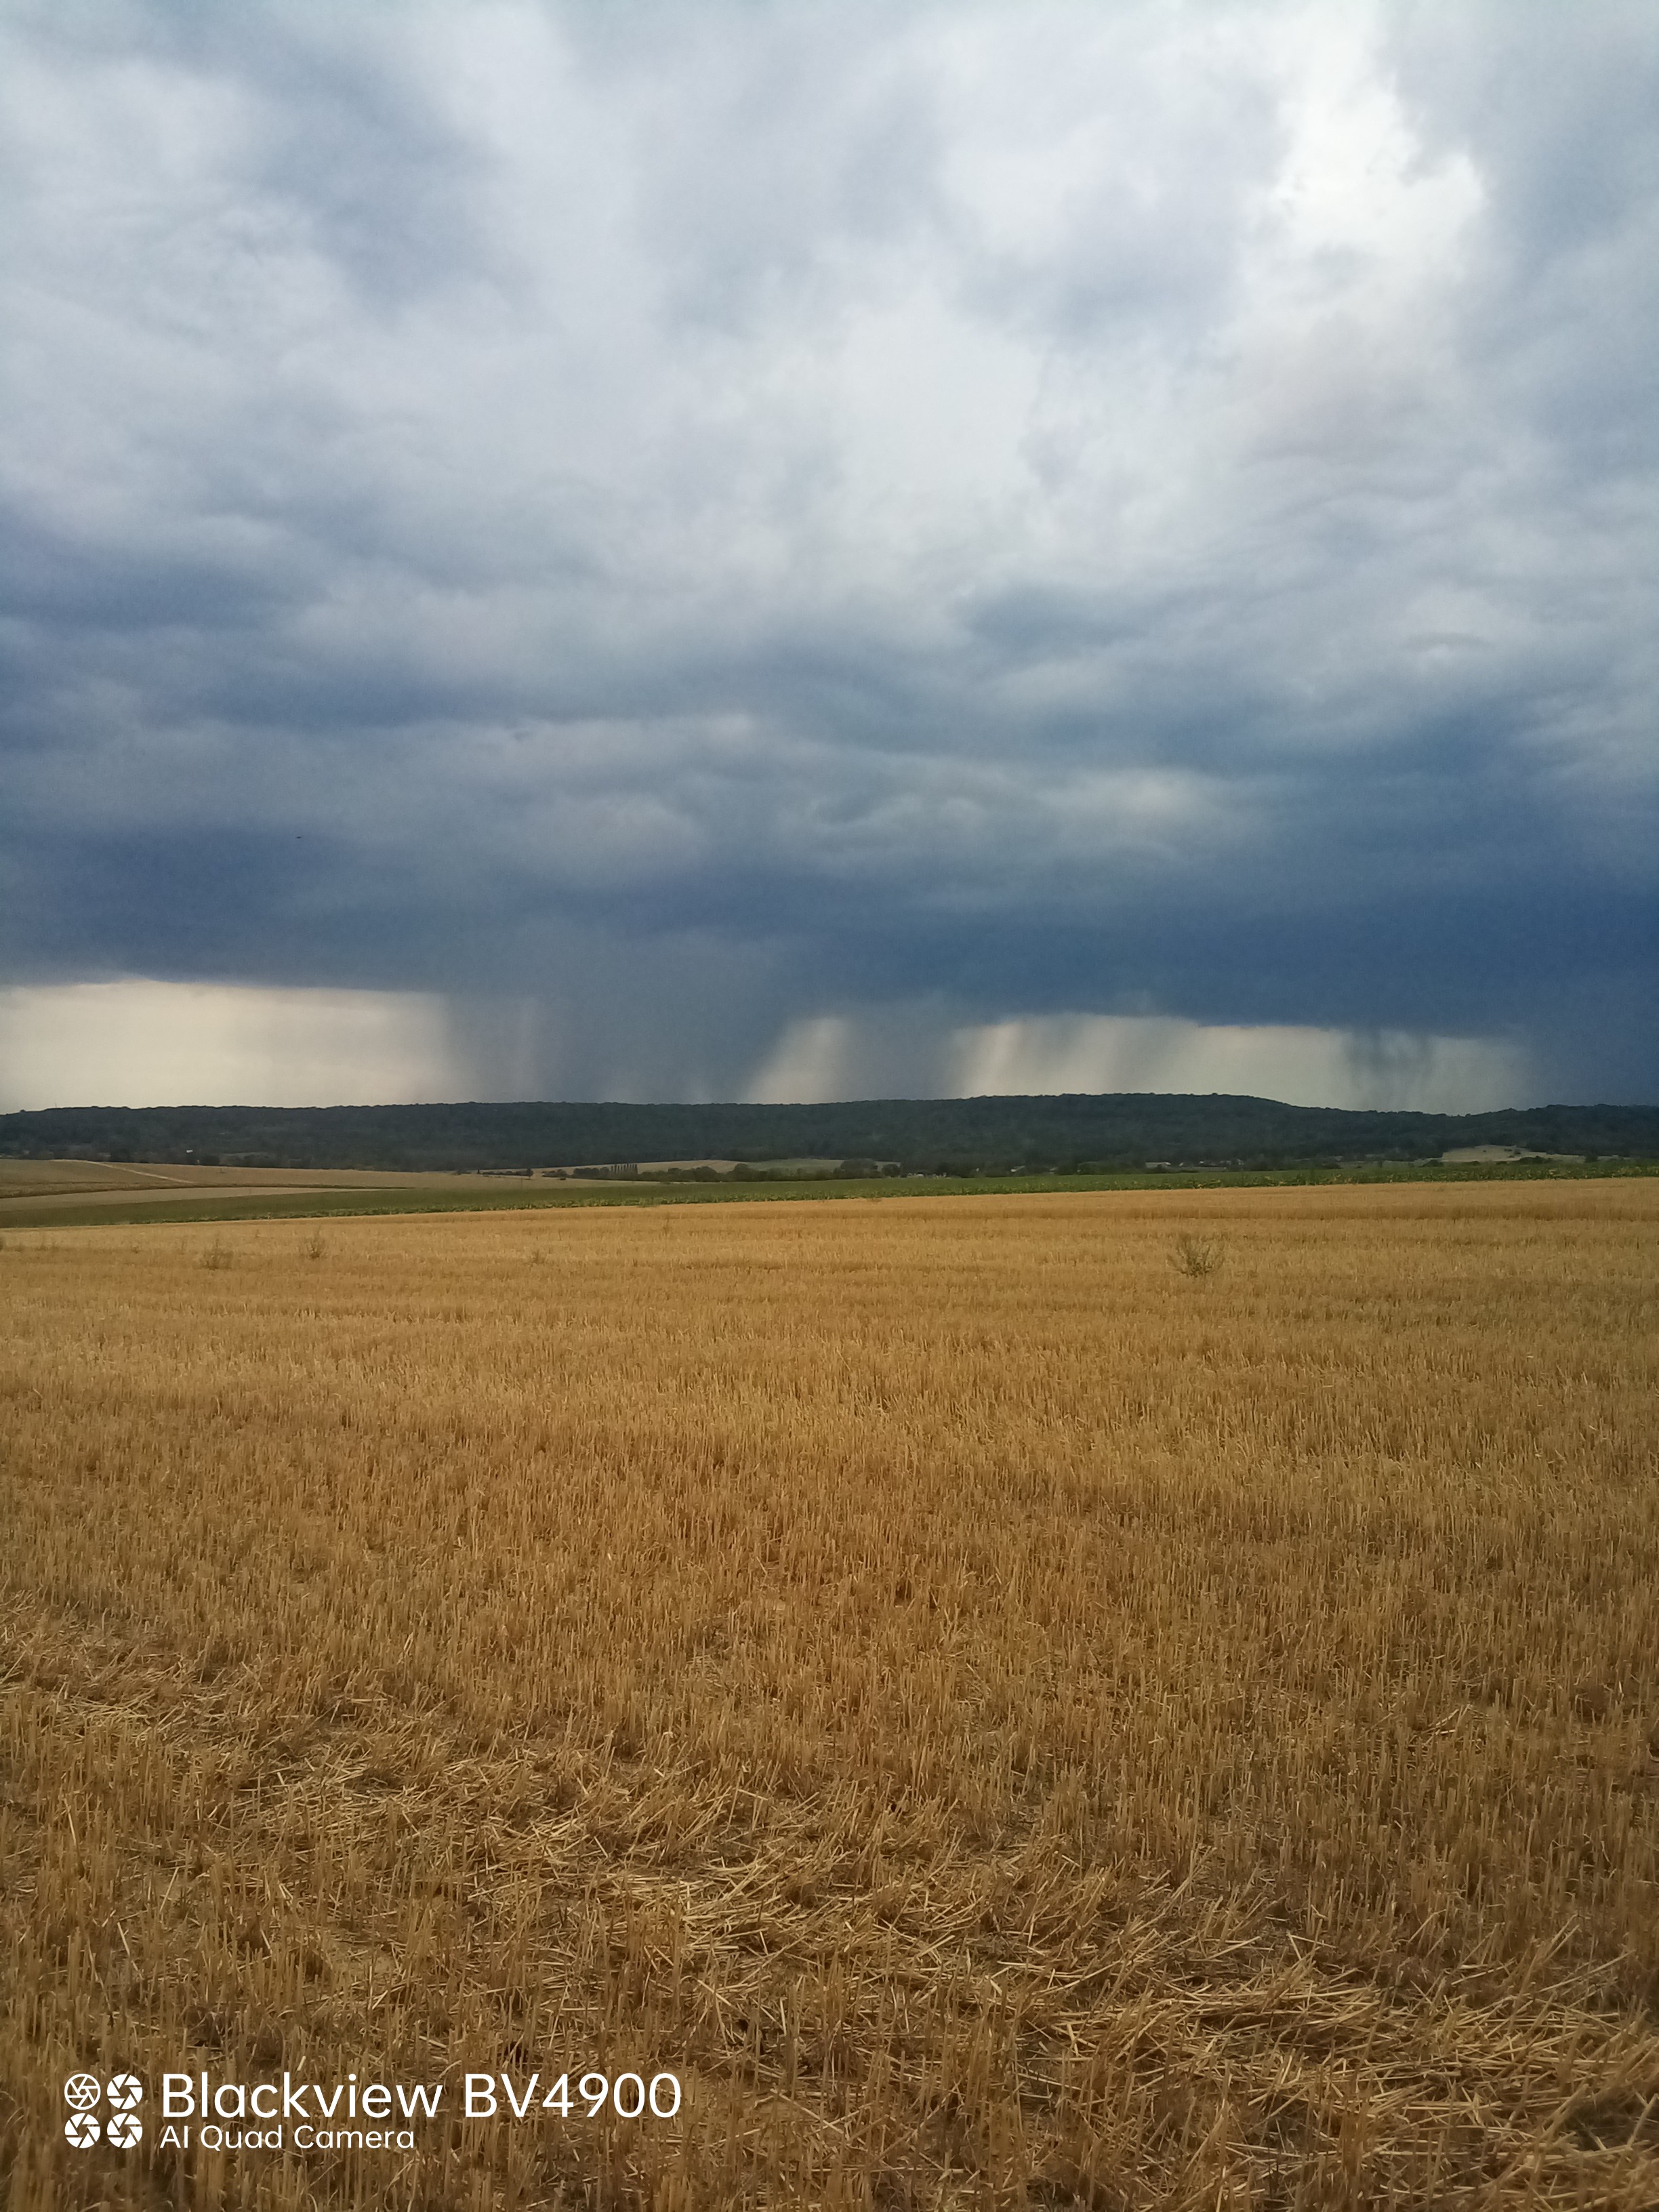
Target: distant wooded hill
{"x": 957, "y": 1135}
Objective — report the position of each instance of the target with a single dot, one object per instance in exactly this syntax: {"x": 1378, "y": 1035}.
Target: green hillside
{"x": 954, "y": 1135}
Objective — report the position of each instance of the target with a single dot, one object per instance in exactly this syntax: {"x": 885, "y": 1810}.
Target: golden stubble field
{"x": 1005, "y": 1722}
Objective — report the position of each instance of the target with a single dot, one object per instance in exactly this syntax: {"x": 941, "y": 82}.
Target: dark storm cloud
{"x": 671, "y": 522}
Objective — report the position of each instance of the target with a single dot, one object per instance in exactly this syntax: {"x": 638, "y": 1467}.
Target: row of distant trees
{"x": 954, "y": 1136}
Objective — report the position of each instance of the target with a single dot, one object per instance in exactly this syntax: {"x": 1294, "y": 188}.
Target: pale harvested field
{"x": 30, "y": 1182}
{"x": 75, "y": 1188}
{"x": 1007, "y": 1723}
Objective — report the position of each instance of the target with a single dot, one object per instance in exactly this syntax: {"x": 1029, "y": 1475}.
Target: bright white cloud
{"x": 139, "y": 1043}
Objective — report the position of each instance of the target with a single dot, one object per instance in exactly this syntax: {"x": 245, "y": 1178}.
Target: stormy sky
{"x": 743, "y": 548}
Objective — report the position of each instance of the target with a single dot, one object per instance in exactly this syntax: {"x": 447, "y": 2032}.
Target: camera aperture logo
{"x": 84, "y": 2092}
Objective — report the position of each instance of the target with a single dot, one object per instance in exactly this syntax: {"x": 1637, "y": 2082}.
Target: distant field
{"x": 1006, "y": 1718}
{"x": 92, "y": 1190}
{"x": 64, "y": 1192}
{"x": 22, "y": 1179}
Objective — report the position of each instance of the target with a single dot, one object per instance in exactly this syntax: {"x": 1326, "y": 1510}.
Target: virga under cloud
{"x": 666, "y": 527}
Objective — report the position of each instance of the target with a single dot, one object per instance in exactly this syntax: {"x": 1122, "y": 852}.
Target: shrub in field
{"x": 1197, "y": 1257}
{"x": 218, "y": 1255}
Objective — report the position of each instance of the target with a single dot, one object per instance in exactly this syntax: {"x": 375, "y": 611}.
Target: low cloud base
{"x": 136, "y": 1042}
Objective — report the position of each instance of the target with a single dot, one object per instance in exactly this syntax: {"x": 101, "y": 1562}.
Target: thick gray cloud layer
{"x": 678, "y": 521}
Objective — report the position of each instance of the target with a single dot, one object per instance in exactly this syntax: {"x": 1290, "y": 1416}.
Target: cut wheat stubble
{"x": 1004, "y": 1726}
